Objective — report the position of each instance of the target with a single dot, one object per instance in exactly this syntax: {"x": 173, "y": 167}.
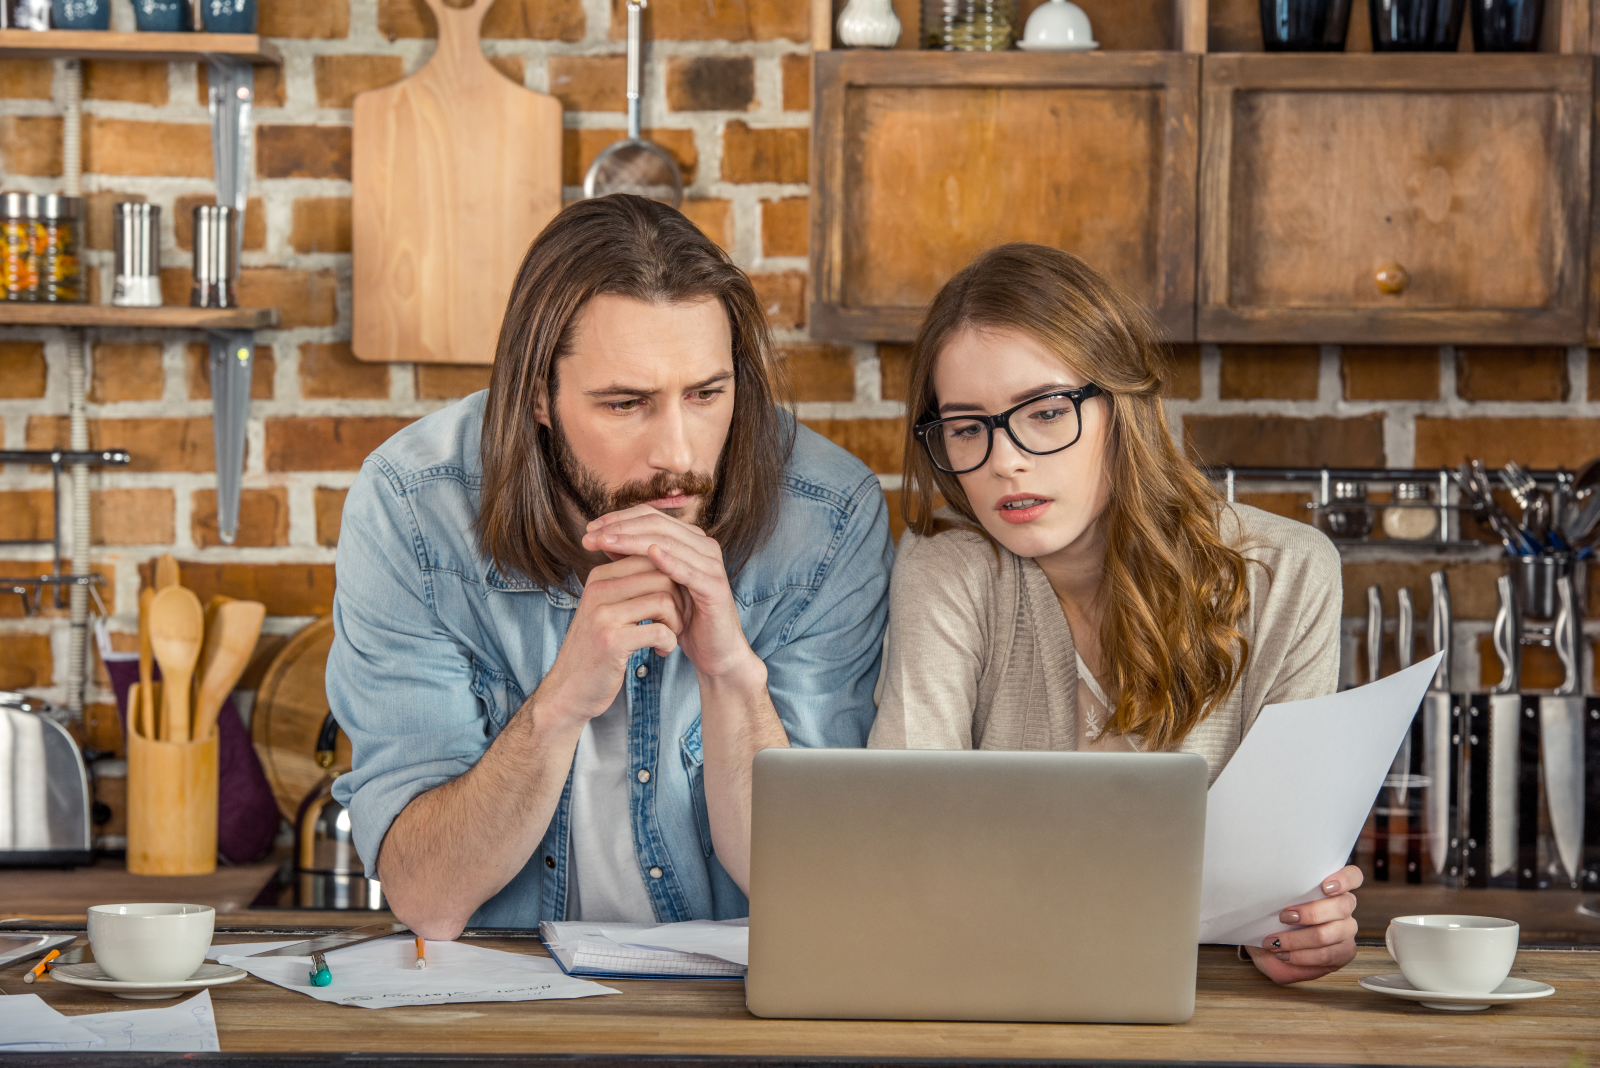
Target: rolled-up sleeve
{"x": 398, "y": 682}
{"x": 821, "y": 677}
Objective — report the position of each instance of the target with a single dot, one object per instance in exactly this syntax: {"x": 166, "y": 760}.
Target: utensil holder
{"x": 172, "y": 799}
{"x": 1534, "y": 578}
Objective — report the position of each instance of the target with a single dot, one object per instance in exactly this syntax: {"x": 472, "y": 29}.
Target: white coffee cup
{"x": 1453, "y": 954}
{"x": 153, "y": 943}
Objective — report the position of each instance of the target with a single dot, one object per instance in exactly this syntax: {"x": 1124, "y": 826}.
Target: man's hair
{"x": 631, "y": 247}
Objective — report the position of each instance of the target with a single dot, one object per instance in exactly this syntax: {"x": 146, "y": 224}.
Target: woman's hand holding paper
{"x": 1325, "y": 940}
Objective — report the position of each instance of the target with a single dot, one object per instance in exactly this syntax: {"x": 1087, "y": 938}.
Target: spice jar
{"x": 969, "y": 25}
{"x": 19, "y": 269}
{"x": 1348, "y": 522}
{"x": 58, "y": 234}
{"x": 1420, "y": 521}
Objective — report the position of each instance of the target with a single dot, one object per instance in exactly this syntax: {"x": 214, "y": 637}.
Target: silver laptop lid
{"x": 935, "y": 885}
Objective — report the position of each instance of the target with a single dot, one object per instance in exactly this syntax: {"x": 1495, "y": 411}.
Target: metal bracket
{"x": 232, "y": 98}
{"x": 232, "y": 363}
{"x": 31, "y": 588}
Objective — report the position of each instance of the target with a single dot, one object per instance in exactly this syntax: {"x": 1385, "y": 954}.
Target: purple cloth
{"x": 247, "y": 813}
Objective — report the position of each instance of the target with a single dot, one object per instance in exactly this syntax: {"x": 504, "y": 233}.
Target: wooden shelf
{"x": 149, "y": 47}
{"x": 175, "y": 318}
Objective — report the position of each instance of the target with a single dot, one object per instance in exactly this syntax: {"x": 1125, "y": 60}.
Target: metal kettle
{"x": 323, "y": 842}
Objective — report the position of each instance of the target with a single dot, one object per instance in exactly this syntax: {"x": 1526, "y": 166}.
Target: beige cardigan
{"x": 979, "y": 654}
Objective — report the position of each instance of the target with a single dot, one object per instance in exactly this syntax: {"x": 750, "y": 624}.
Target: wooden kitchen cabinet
{"x": 1394, "y": 198}
{"x": 921, "y": 160}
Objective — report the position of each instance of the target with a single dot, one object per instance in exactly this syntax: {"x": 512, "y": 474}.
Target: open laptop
{"x": 933, "y": 885}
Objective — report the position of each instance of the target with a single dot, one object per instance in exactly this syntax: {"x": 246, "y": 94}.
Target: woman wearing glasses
{"x": 1085, "y": 587}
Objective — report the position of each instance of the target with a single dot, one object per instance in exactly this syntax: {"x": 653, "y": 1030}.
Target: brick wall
{"x": 728, "y": 93}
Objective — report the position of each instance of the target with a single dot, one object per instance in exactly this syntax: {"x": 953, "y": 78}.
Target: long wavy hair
{"x": 632, "y": 247}
{"x": 1173, "y": 590}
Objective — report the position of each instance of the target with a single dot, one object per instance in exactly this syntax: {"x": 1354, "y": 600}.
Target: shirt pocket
{"x": 694, "y": 765}
{"x": 499, "y": 695}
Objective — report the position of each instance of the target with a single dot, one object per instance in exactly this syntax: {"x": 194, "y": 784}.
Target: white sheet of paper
{"x": 383, "y": 973}
{"x": 727, "y": 939}
{"x": 187, "y": 1027}
{"x": 237, "y": 948}
{"x": 1286, "y": 811}
{"x": 29, "y": 1025}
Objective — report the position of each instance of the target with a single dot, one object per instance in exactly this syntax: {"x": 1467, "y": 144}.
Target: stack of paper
{"x": 383, "y": 973}
{"x": 29, "y": 1025}
{"x": 696, "y": 949}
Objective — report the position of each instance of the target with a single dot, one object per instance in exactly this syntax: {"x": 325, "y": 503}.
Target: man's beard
{"x": 593, "y": 499}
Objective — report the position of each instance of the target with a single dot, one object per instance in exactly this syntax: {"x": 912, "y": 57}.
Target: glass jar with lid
{"x": 969, "y": 25}
{"x": 1346, "y": 515}
{"x": 1413, "y": 518}
{"x": 59, "y": 235}
{"x": 19, "y": 269}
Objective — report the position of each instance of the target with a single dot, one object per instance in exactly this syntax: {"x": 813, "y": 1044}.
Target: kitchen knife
{"x": 1561, "y": 738}
{"x": 353, "y": 937}
{"x": 1441, "y": 737}
{"x": 1380, "y": 810}
{"x": 1404, "y": 643}
{"x": 1408, "y": 761}
{"x": 1505, "y": 731}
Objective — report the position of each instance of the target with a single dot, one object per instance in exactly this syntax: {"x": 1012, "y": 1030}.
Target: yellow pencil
{"x": 38, "y": 971}
{"x": 422, "y": 953}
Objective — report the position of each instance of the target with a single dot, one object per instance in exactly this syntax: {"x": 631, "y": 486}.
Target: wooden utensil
{"x": 231, "y": 636}
{"x": 455, "y": 172}
{"x": 207, "y": 648}
{"x": 177, "y": 627}
{"x": 172, "y": 804}
{"x": 166, "y": 571}
{"x": 291, "y": 703}
{"x": 146, "y": 710}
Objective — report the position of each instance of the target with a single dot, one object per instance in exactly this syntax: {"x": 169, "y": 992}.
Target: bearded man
{"x": 571, "y": 609}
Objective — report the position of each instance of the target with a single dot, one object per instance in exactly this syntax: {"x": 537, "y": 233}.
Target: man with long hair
{"x": 571, "y": 610}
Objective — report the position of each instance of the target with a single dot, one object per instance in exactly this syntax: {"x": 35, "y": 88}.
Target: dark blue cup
{"x": 1304, "y": 25}
{"x": 162, "y": 16}
{"x": 1506, "y": 25}
{"x": 1415, "y": 25}
{"x": 230, "y": 16}
{"x": 80, "y": 14}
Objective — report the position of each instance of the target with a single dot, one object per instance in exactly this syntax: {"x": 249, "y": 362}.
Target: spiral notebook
{"x": 608, "y": 951}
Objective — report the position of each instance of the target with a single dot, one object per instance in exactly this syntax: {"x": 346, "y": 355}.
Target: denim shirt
{"x": 435, "y": 650}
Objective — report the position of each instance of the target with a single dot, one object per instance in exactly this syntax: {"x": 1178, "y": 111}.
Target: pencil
{"x": 39, "y": 970}
{"x": 422, "y": 953}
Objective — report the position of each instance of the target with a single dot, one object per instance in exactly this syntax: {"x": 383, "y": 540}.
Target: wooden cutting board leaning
{"x": 455, "y": 172}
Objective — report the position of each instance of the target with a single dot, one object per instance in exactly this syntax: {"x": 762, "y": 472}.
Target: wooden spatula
{"x": 177, "y": 627}
{"x": 146, "y": 712}
{"x": 166, "y": 571}
{"x": 231, "y": 636}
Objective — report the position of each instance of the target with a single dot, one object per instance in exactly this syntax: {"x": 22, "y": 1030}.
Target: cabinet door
{"x": 1407, "y": 198}
{"x": 921, "y": 161}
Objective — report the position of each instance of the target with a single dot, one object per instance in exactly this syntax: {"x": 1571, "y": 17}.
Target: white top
{"x": 604, "y": 883}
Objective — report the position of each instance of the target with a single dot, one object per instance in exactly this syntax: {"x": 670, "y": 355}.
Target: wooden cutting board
{"x": 455, "y": 172}
{"x": 291, "y": 704}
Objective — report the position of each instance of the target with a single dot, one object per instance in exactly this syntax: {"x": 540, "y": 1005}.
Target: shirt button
{"x": 641, "y": 671}
{"x": 655, "y": 873}
{"x": 549, "y": 862}
{"x": 644, "y": 774}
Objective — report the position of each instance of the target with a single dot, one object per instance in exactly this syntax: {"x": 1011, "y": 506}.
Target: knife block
{"x": 172, "y": 800}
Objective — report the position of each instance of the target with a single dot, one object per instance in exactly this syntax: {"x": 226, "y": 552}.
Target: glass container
{"x": 1506, "y": 25}
{"x": 1420, "y": 521}
{"x": 1348, "y": 522}
{"x": 1416, "y": 25}
{"x": 969, "y": 25}
{"x": 1304, "y": 25}
{"x": 19, "y": 270}
{"x": 58, "y": 237}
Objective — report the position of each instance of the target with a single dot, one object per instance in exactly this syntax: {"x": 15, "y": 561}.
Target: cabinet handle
{"x": 1392, "y": 279}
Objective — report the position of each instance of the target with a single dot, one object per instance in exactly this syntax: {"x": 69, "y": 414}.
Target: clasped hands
{"x": 665, "y": 571}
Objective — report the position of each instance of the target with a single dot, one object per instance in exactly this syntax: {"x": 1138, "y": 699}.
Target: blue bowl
{"x": 230, "y": 16}
{"x": 81, "y": 14}
{"x": 162, "y": 16}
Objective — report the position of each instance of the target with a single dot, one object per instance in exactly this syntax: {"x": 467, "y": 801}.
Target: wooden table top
{"x": 1240, "y": 1017}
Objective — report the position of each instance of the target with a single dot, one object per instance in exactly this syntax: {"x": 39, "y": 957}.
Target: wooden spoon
{"x": 177, "y": 627}
{"x": 166, "y": 571}
{"x": 146, "y": 712}
{"x": 231, "y": 636}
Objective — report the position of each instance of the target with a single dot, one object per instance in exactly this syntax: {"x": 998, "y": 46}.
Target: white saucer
{"x": 1510, "y": 990}
{"x": 95, "y": 978}
{"x": 1028, "y": 47}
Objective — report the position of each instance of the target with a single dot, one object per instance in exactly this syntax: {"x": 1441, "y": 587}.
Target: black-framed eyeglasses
{"x": 1043, "y": 425}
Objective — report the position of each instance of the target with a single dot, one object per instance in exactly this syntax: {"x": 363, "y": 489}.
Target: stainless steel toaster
{"x": 44, "y": 788}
